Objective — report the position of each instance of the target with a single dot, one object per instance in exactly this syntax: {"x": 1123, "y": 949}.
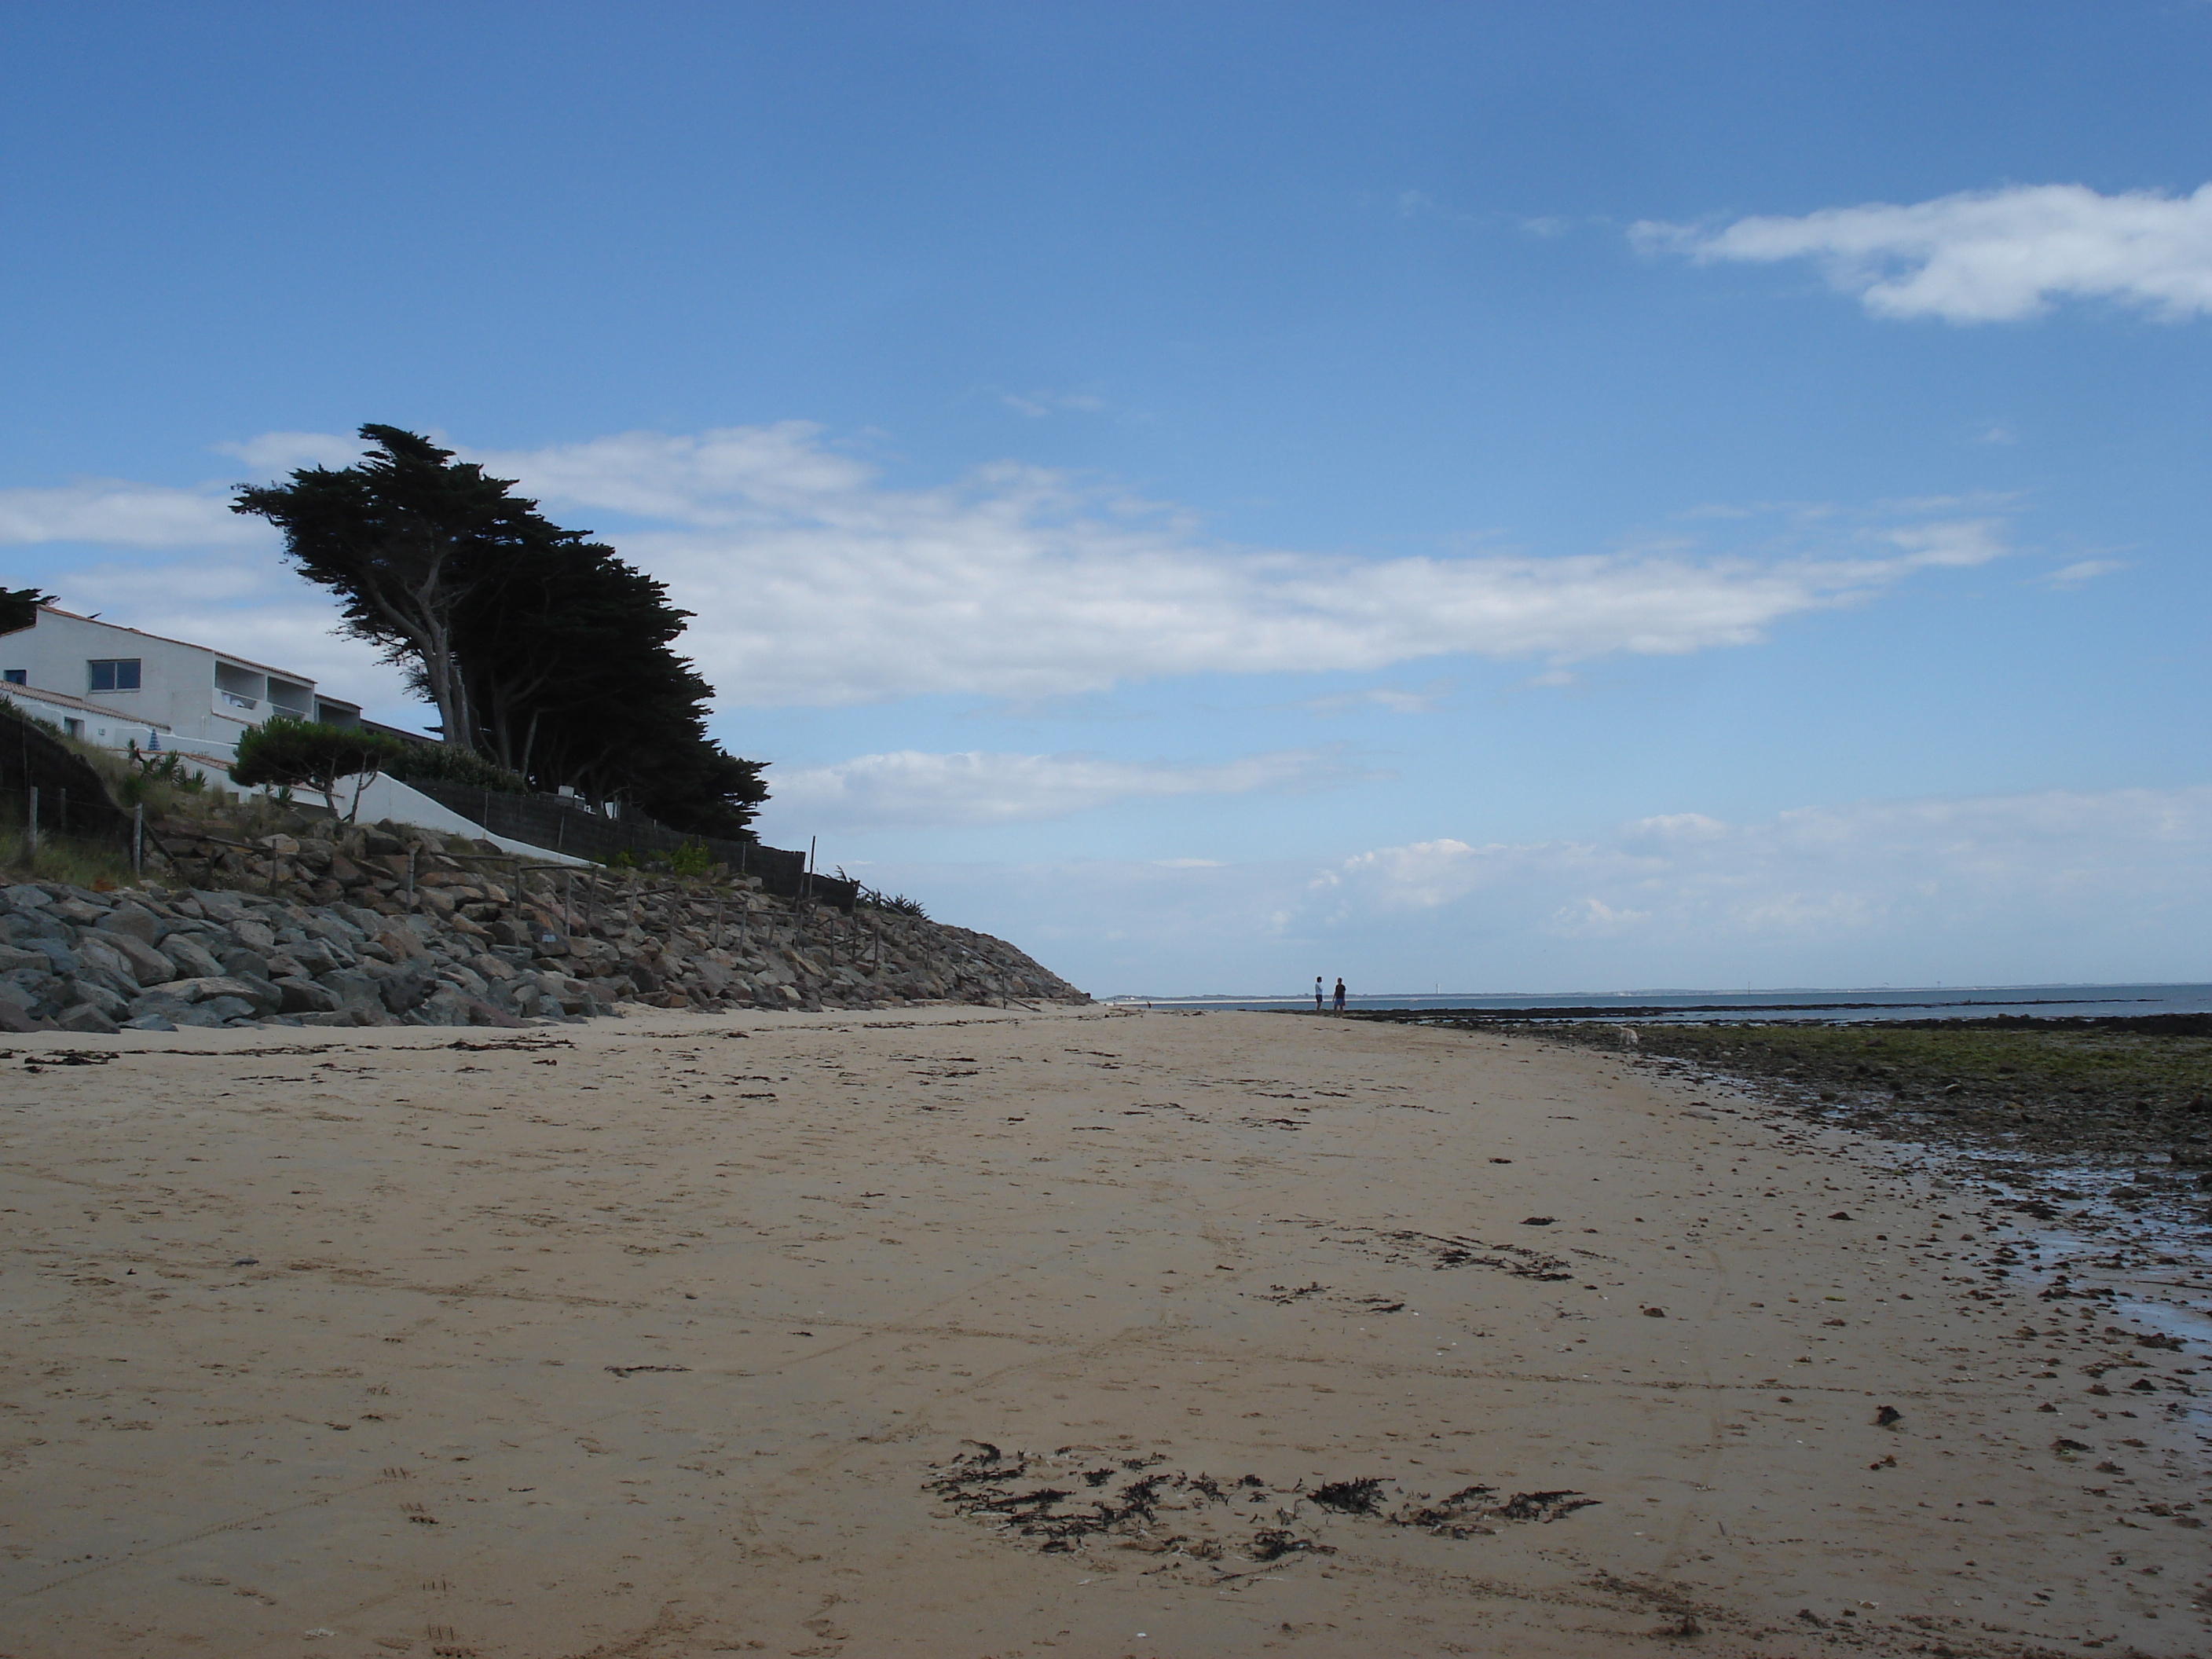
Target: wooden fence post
{"x": 31, "y": 831}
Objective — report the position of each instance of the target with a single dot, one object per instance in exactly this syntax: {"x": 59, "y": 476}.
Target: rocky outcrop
{"x": 394, "y": 925}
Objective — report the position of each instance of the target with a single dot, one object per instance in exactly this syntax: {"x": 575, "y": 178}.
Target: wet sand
{"x": 1331, "y": 1338}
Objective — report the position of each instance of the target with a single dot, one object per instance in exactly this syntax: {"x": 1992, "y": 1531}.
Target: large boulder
{"x": 356, "y": 993}
{"x": 212, "y": 987}
{"x": 193, "y": 959}
{"x": 147, "y": 965}
{"x": 300, "y": 995}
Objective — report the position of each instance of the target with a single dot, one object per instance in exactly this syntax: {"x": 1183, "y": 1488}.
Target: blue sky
{"x": 1582, "y": 496}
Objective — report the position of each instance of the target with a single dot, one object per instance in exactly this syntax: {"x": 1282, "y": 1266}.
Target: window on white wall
{"x": 113, "y": 674}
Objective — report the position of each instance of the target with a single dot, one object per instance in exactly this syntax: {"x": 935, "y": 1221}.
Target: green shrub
{"x": 692, "y": 858}
{"x": 446, "y": 763}
{"x": 288, "y": 753}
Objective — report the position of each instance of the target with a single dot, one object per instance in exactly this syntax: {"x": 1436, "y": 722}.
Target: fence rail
{"x": 548, "y": 822}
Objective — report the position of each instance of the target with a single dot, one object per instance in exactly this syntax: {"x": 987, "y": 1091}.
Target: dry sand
{"x": 652, "y": 1340}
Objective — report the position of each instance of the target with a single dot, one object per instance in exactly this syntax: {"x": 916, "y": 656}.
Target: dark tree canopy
{"x": 19, "y": 607}
{"x": 543, "y": 652}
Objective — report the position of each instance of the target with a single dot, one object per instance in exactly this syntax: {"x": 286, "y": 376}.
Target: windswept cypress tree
{"x": 543, "y": 651}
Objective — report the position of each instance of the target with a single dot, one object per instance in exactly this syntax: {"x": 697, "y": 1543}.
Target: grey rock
{"x": 94, "y": 995}
{"x": 148, "y": 1023}
{"x": 470, "y": 983}
{"x": 318, "y": 957}
{"x": 226, "y": 1009}
{"x": 78, "y": 911}
{"x": 59, "y": 957}
{"x": 404, "y": 986}
{"x": 134, "y": 920}
{"x": 93, "y": 951}
{"x": 13, "y": 1019}
{"x": 124, "y": 985}
{"x": 143, "y": 962}
{"x": 193, "y": 959}
{"x": 225, "y": 907}
{"x": 446, "y": 1008}
{"x": 23, "y": 897}
{"x": 15, "y": 956}
{"x": 264, "y": 996}
{"x": 254, "y": 935}
{"x": 334, "y": 931}
{"x": 356, "y": 993}
{"x": 86, "y": 1018}
{"x": 239, "y": 960}
{"x": 207, "y": 988}
{"x": 300, "y": 995}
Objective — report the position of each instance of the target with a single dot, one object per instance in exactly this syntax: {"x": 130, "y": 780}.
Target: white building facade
{"x": 115, "y": 686}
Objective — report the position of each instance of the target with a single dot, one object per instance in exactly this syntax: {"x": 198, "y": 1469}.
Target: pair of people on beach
{"x": 1317, "y": 995}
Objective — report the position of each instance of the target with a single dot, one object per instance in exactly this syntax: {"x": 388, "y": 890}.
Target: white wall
{"x": 388, "y": 798}
{"x": 105, "y": 730}
{"x": 178, "y": 682}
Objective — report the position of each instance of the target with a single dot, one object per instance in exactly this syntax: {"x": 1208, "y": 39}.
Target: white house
{"x": 89, "y": 721}
{"x": 113, "y": 685}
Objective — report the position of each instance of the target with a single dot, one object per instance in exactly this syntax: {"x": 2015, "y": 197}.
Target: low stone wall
{"x": 391, "y": 926}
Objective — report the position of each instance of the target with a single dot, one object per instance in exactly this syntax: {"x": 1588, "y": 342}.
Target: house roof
{"x": 62, "y": 699}
{"x": 191, "y": 645}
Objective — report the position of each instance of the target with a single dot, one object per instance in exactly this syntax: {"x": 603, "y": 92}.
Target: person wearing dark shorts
{"x": 1340, "y": 996}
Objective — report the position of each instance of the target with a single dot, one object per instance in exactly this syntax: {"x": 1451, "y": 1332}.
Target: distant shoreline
{"x": 1885, "y": 1003}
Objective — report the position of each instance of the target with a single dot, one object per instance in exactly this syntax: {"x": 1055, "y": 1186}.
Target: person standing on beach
{"x": 1317, "y": 994}
{"x": 1340, "y": 995}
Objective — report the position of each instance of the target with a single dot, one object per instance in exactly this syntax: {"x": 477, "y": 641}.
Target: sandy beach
{"x": 1087, "y": 1333}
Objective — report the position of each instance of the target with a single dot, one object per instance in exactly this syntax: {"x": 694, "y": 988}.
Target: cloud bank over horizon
{"x": 2052, "y": 885}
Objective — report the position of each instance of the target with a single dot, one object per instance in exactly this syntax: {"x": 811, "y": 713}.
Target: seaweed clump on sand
{"x": 1068, "y": 1499}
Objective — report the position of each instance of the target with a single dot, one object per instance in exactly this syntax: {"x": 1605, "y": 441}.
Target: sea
{"x": 1842, "y": 1006}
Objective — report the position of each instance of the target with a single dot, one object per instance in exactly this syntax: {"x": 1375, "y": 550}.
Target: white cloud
{"x": 1868, "y": 866}
{"x": 815, "y": 583}
{"x": 910, "y": 788}
{"x": 2048, "y": 887}
{"x": 112, "y": 512}
{"x": 1392, "y": 699}
{"x": 1038, "y": 404}
{"x": 2082, "y": 570}
{"x": 753, "y": 477}
{"x": 273, "y": 453}
{"x": 1986, "y": 255}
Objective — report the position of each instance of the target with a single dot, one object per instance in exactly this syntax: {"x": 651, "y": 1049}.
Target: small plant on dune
{"x": 898, "y": 904}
